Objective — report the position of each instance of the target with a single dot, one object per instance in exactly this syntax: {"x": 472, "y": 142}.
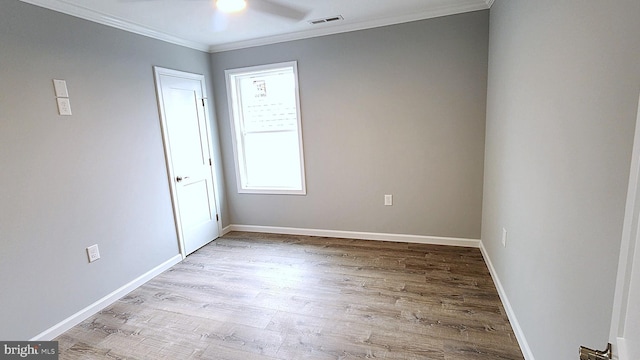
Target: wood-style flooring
{"x": 253, "y": 296}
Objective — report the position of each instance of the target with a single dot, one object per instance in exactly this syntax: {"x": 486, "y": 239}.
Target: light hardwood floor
{"x": 260, "y": 296}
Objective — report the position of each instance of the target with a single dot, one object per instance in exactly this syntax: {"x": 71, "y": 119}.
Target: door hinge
{"x": 591, "y": 354}
{"x": 210, "y": 163}
{"x": 217, "y": 217}
{"x": 202, "y": 102}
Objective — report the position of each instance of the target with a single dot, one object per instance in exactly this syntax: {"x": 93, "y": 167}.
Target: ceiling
{"x": 197, "y": 24}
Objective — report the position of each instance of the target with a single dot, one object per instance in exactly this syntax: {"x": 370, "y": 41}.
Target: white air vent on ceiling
{"x": 326, "y": 20}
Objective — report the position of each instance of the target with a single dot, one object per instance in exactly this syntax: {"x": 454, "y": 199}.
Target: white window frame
{"x": 235, "y": 116}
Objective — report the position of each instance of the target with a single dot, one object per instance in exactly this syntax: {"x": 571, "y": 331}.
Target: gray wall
{"x": 396, "y": 110}
{"x": 98, "y": 176}
{"x": 564, "y": 79}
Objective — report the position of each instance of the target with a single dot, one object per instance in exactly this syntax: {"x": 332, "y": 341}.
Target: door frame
{"x": 158, "y": 72}
{"x": 627, "y": 258}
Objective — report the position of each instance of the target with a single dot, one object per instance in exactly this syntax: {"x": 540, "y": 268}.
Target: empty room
{"x": 409, "y": 179}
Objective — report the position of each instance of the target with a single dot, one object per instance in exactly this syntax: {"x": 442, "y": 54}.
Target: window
{"x": 265, "y": 123}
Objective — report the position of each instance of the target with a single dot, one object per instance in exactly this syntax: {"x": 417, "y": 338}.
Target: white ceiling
{"x": 197, "y": 24}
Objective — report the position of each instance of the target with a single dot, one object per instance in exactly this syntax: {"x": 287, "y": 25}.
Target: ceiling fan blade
{"x": 126, "y": 1}
{"x": 219, "y": 22}
{"x": 273, "y": 8}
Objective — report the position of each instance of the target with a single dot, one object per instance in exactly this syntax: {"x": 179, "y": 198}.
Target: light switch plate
{"x": 504, "y": 237}
{"x": 64, "y": 106}
{"x": 60, "y": 87}
{"x": 388, "y": 200}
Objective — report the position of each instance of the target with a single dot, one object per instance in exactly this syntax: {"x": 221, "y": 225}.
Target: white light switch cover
{"x": 60, "y": 87}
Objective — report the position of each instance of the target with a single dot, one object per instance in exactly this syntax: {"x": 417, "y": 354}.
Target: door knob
{"x": 180, "y": 178}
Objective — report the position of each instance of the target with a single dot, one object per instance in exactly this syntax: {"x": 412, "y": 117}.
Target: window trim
{"x": 236, "y": 136}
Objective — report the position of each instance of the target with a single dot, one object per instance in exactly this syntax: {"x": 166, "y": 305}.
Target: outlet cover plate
{"x": 64, "y": 106}
{"x": 93, "y": 253}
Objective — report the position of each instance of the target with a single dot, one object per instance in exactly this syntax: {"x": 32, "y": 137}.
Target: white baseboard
{"x": 515, "y": 325}
{"x": 226, "y": 230}
{"x": 92, "y": 309}
{"x": 420, "y": 239}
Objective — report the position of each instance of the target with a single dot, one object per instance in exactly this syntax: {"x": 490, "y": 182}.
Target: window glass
{"x": 267, "y": 136}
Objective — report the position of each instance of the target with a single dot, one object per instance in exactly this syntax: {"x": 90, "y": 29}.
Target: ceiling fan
{"x": 264, "y": 6}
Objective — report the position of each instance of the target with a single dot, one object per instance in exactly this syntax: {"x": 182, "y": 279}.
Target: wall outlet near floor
{"x": 504, "y": 237}
{"x": 93, "y": 253}
{"x": 388, "y": 200}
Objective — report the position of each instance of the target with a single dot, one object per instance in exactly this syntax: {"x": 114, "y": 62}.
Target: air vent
{"x": 326, "y": 20}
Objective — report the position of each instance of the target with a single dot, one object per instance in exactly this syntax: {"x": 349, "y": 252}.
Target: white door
{"x": 625, "y": 324}
{"x": 187, "y": 142}
{"x": 631, "y": 338}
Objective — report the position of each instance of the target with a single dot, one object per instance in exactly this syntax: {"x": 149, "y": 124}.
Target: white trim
{"x": 420, "y": 239}
{"x": 65, "y": 7}
{"x": 238, "y": 130}
{"x": 115, "y": 22}
{"x": 515, "y": 324}
{"x": 92, "y": 309}
{"x": 226, "y": 230}
{"x": 620, "y": 352}
{"x": 628, "y": 244}
{"x": 159, "y": 72}
{"x": 348, "y": 27}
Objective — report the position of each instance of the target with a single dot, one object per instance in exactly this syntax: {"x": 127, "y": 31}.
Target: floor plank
{"x": 280, "y": 297}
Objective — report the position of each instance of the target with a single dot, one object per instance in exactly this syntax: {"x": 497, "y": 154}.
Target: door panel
{"x": 632, "y": 321}
{"x": 188, "y": 150}
{"x": 625, "y": 321}
{"x": 183, "y": 124}
{"x": 196, "y": 209}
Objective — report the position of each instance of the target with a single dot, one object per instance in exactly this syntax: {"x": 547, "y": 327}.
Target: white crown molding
{"x": 104, "y": 19}
{"x": 490, "y": 3}
{"x": 98, "y": 17}
{"x": 454, "y": 8}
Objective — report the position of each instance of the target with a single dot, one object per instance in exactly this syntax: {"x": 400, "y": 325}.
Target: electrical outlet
{"x": 93, "y": 253}
{"x": 64, "y": 106}
{"x": 388, "y": 200}
{"x": 504, "y": 237}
